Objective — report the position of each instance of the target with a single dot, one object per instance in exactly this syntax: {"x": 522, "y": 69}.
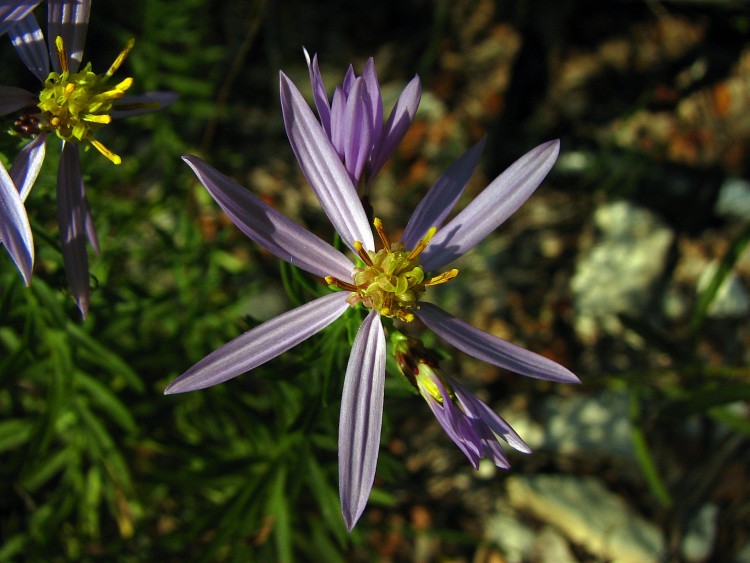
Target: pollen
{"x": 74, "y": 105}
{"x": 390, "y": 280}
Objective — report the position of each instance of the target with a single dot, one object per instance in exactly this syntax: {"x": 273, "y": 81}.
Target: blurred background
{"x": 630, "y": 266}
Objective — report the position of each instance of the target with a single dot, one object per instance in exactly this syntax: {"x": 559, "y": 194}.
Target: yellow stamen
{"x": 105, "y": 151}
{"x": 330, "y": 280}
{"x": 442, "y": 278}
{"x": 105, "y": 119}
{"x": 382, "y": 234}
{"x": 62, "y": 54}
{"x": 362, "y": 253}
{"x": 120, "y": 58}
{"x": 422, "y": 244}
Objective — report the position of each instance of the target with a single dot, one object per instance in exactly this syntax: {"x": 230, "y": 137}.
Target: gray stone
{"x": 701, "y": 533}
{"x": 596, "y": 426}
{"x": 618, "y": 272}
{"x": 588, "y": 514}
{"x": 734, "y": 199}
{"x": 731, "y": 299}
{"x": 512, "y": 537}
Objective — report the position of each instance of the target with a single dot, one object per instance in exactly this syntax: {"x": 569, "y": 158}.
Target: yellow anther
{"x": 382, "y": 234}
{"x": 104, "y": 119}
{"x": 422, "y": 244}
{"x": 62, "y": 54}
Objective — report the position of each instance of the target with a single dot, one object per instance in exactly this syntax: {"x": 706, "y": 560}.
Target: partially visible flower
{"x": 353, "y": 120}
{"x": 390, "y": 282}
{"x": 470, "y": 423}
{"x": 73, "y": 104}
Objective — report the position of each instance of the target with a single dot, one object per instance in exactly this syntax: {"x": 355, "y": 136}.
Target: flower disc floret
{"x": 76, "y": 104}
{"x": 391, "y": 280}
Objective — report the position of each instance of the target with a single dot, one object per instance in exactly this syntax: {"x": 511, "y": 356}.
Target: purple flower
{"x": 389, "y": 282}
{"x": 353, "y": 120}
{"x": 470, "y": 423}
{"x": 73, "y": 104}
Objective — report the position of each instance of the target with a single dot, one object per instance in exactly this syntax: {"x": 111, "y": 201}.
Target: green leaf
{"x": 14, "y": 432}
{"x": 709, "y": 293}
{"x": 111, "y": 405}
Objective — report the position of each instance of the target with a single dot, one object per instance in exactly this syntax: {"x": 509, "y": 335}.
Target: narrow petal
{"x": 319, "y": 92}
{"x": 281, "y": 236}
{"x": 402, "y": 115}
{"x": 476, "y": 408}
{"x": 456, "y": 424}
{"x": 361, "y": 418}
{"x": 261, "y": 344}
{"x": 13, "y": 12}
{"x": 14, "y": 99}
{"x": 443, "y": 195}
{"x": 489, "y": 209}
{"x": 323, "y": 169}
{"x": 358, "y": 136}
{"x": 89, "y": 227}
{"x": 15, "y": 231}
{"x": 27, "y": 164}
{"x": 68, "y": 19}
{"x": 338, "y": 122}
{"x": 491, "y": 349}
{"x": 71, "y": 216}
{"x": 375, "y": 97}
{"x": 28, "y": 39}
{"x": 129, "y": 106}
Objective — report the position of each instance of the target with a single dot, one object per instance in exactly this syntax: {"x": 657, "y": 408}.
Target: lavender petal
{"x": 490, "y": 208}
{"x": 400, "y": 119}
{"x": 27, "y": 164}
{"x": 261, "y": 344}
{"x": 28, "y": 39}
{"x": 358, "y": 135}
{"x": 15, "y": 231}
{"x": 361, "y": 418}
{"x": 443, "y": 195}
{"x": 13, "y": 12}
{"x": 491, "y": 349}
{"x": 376, "y": 99}
{"x": 14, "y": 99}
{"x": 478, "y": 409}
{"x": 68, "y": 19}
{"x": 323, "y": 169}
{"x": 129, "y": 106}
{"x": 269, "y": 228}
{"x": 319, "y": 92}
{"x": 71, "y": 217}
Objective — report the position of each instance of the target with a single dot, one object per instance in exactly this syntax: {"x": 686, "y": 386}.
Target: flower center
{"x": 75, "y": 104}
{"x": 392, "y": 280}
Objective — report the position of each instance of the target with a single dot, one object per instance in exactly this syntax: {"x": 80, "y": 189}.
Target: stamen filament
{"x": 120, "y": 58}
{"x": 330, "y": 280}
{"x": 362, "y": 253}
{"x": 105, "y": 151}
{"x": 422, "y": 244}
{"x": 441, "y": 278}
{"x": 382, "y": 234}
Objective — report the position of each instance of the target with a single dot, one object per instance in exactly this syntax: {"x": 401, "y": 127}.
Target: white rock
{"x": 585, "y": 511}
